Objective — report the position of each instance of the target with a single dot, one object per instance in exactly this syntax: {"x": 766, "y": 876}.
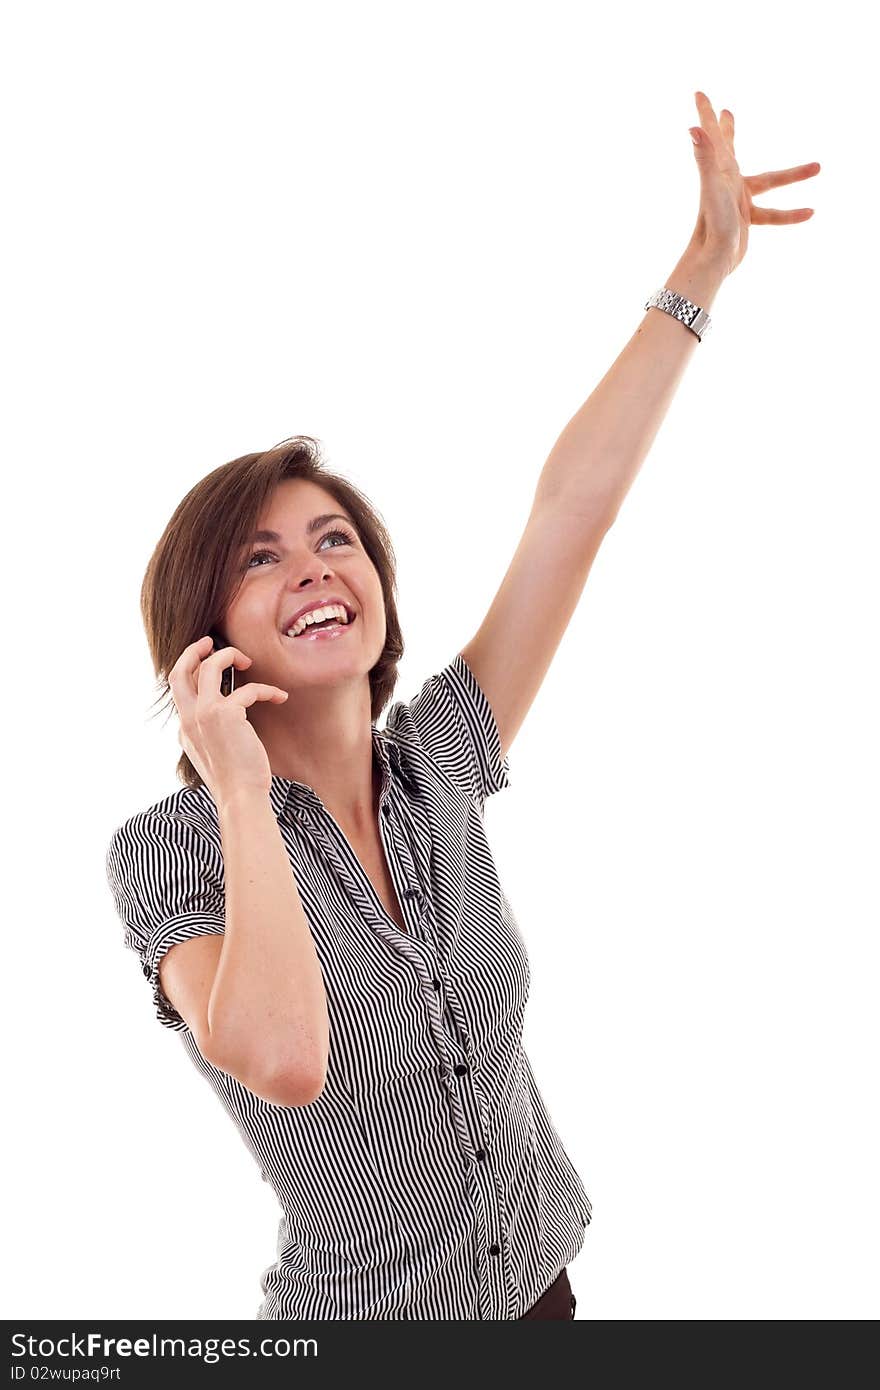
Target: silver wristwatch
{"x": 691, "y": 315}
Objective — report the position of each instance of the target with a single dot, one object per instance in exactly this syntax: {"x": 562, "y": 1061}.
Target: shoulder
{"x": 451, "y": 724}
{"x": 421, "y": 717}
{"x": 186, "y": 816}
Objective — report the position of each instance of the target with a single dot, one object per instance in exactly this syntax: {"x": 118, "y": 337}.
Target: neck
{"x": 326, "y": 743}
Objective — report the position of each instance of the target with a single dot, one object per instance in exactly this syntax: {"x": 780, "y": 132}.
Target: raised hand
{"x": 726, "y": 207}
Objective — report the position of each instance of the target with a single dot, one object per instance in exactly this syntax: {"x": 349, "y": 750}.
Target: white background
{"x": 422, "y": 234}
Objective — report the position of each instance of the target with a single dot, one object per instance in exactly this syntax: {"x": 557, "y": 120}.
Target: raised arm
{"x": 596, "y": 458}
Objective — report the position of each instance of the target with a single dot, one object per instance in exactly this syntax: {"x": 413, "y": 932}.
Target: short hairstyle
{"x": 196, "y": 569}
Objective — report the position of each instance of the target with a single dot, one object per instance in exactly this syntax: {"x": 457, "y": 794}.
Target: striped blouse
{"x": 427, "y": 1180}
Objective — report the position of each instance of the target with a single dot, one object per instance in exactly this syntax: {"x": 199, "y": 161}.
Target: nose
{"x": 315, "y": 570}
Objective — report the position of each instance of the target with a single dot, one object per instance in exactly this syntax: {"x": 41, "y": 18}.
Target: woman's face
{"x": 302, "y": 567}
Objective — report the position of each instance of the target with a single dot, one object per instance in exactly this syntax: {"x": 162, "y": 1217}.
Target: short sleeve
{"x": 166, "y": 877}
{"x": 455, "y": 725}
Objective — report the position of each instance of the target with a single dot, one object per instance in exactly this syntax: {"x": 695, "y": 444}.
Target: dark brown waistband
{"x": 558, "y": 1301}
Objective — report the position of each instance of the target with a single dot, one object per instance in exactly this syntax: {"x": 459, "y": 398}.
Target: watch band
{"x": 688, "y": 313}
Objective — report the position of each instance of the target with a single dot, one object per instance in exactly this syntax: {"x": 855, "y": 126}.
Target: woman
{"x": 318, "y": 910}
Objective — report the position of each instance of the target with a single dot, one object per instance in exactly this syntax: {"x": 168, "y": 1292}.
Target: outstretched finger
{"x": 780, "y": 216}
{"x": 710, "y": 122}
{"x": 775, "y": 178}
{"x": 248, "y": 694}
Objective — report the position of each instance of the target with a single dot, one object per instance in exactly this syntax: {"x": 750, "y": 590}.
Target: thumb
{"x": 701, "y": 144}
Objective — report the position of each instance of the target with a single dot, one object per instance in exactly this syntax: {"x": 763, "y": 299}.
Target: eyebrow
{"x": 314, "y": 525}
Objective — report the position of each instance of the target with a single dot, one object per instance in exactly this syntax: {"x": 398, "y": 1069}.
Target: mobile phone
{"x": 227, "y": 680}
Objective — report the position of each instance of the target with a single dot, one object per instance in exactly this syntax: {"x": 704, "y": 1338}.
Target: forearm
{"x": 268, "y": 1009}
{"x": 593, "y": 463}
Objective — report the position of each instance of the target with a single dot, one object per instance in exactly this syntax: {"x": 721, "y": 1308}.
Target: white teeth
{"x": 318, "y": 615}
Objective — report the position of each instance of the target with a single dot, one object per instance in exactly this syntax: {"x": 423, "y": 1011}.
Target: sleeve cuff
{"x": 171, "y": 933}
{"x": 491, "y": 771}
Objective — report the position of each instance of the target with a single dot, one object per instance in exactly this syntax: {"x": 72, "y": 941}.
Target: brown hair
{"x": 196, "y": 569}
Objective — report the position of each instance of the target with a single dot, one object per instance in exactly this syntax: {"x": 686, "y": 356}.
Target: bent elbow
{"x": 294, "y": 1089}
{"x": 285, "y": 1086}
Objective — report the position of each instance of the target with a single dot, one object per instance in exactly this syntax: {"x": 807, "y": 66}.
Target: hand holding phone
{"x": 215, "y": 733}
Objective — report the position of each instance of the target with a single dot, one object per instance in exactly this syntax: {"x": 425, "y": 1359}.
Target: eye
{"x": 346, "y": 538}
{"x": 337, "y": 532}
{"x": 256, "y": 555}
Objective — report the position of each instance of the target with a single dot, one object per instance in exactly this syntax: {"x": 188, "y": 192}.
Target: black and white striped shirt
{"x": 427, "y": 1180}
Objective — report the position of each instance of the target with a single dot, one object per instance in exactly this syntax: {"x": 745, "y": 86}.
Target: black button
{"x": 436, "y": 984}
{"x": 460, "y": 1069}
{"x": 411, "y": 893}
{"x": 494, "y": 1249}
{"x": 386, "y": 809}
{"x": 481, "y": 1153}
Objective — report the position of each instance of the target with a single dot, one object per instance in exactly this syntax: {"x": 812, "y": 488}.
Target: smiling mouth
{"x": 331, "y": 627}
